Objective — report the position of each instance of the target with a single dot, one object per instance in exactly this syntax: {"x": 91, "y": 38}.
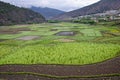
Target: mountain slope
{"x": 99, "y": 7}
{"x": 10, "y": 14}
{"x": 47, "y": 12}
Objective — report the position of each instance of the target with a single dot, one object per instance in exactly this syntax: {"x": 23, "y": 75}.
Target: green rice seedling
{"x": 62, "y": 53}
{"x": 46, "y": 50}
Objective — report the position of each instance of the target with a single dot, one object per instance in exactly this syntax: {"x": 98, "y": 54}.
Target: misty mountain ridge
{"x": 99, "y": 7}
{"x": 47, "y": 12}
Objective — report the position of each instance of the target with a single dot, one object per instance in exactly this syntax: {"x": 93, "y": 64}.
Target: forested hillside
{"x": 10, "y": 14}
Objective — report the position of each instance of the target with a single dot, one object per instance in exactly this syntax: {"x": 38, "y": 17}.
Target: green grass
{"x": 90, "y": 45}
{"x": 91, "y": 32}
{"x": 62, "y": 53}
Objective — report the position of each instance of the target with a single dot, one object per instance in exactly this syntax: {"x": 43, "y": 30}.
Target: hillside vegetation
{"x": 10, "y": 14}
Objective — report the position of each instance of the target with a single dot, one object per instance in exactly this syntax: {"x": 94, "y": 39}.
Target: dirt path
{"x": 108, "y": 67}
{"x": 31, "y": 77}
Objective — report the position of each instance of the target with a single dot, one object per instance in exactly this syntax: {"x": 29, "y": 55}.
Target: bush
{"x": 116, "y": 23}
{"x": 84, "y": 21}
{"x": 53, "y": 21}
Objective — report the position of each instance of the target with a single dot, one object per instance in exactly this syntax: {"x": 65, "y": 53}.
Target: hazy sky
{"x": 65, "y": 5}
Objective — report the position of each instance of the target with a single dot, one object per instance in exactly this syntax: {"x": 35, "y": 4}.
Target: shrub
{"x": 85, "y": 21}
{"x": 53, "y": 21}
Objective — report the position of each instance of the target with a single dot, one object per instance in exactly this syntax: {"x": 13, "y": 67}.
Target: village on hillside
{"x": 110, "y": 15}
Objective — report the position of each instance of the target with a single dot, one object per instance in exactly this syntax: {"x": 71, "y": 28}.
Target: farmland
{"x": 40, "y": 44}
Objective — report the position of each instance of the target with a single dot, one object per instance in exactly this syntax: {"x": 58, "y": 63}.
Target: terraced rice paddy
{"x": 90, "y": 44}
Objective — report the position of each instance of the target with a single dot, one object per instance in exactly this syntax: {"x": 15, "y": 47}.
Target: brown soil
{"x": 53, "y": 29}
{"x": 28, "y": 38}
{"x": 3, "y": 40}
{"x": 66, "y": 33}
{"x": 33, "y": 77}
{"x": 108, "y": 67}
{"x": 13, "y": 30}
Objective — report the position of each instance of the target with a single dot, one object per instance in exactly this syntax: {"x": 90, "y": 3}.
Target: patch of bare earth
{"x": 3, "y": 40}
{"x": 53, "y": 29}
{"x": 66, "y": 33}
{"x": 108, "y": 67}
{"x": 13, "y": 30}
{"x": 28, "y": 38}
{"x": 33, "y": 77}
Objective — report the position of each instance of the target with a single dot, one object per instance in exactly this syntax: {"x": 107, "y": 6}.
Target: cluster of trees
{"x": 53, "y": 21}
{"x": 84, "y": 21}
